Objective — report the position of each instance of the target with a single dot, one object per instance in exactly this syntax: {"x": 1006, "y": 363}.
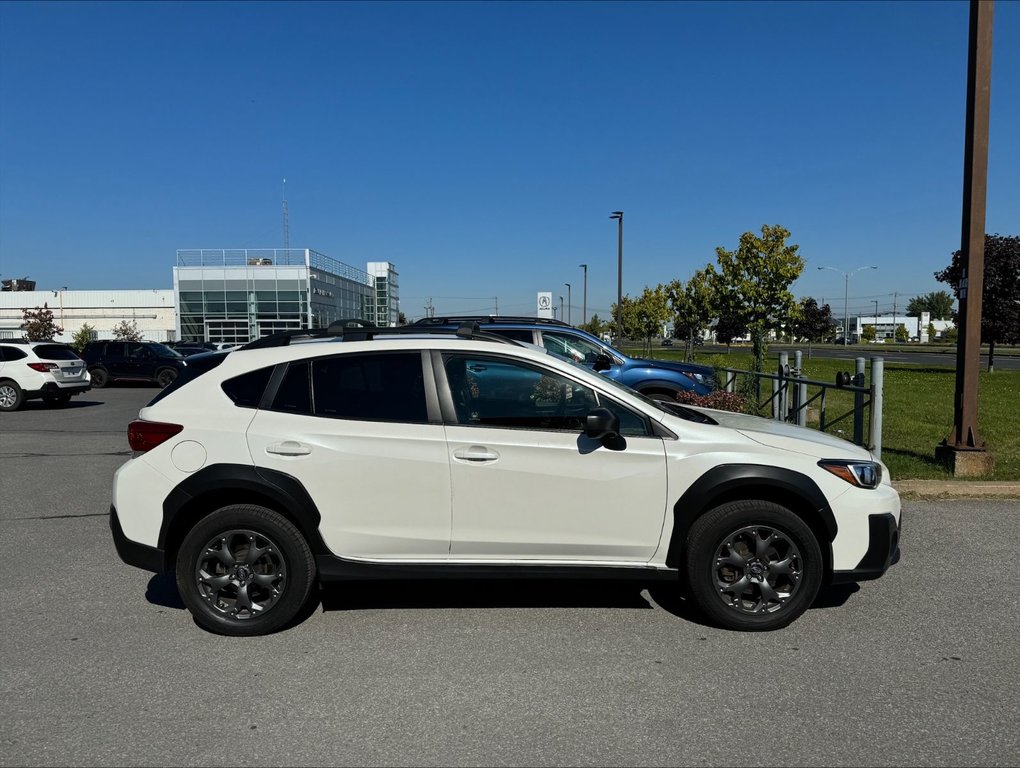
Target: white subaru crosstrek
{"x": 39, "y": 370}
{"x": 263, "y": 471}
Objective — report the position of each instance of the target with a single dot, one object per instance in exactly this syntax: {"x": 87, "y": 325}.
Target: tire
{"x": 11, "y": 396}
{"x": 165, "y": 377}
{"x": 230, "y": 593}
{"x": 56, "y": 401}
{"x": 100, "y": 378}
{"x": 752, "y": 565}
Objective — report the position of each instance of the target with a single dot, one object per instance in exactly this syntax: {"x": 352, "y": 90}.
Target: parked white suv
{"x": 31, "y": 370}
{"x": 263, "y": 471}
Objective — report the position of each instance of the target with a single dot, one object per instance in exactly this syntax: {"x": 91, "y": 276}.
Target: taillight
{"x": 146, "y": 435}
{"x": 43, "y": 367}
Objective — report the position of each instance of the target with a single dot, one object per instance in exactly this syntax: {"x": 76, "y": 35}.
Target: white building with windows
{"x": 151, "y": 310}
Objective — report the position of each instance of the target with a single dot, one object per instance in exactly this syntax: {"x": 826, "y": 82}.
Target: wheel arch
{"x": 735, "y": 482}
{"x": 222, "y": 485}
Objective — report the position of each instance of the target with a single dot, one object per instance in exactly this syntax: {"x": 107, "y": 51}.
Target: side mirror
{"x": 603, "y": 362}
{"x": 601, "y": 423}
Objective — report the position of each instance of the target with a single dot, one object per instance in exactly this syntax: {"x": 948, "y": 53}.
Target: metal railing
{"x": 790, "y": 400}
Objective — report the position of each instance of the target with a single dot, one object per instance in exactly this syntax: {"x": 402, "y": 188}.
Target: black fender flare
{"x": 729, "y": 482}
{"x": 222, "y": 484}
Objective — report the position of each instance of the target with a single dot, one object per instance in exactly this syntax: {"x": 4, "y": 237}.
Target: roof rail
{"x": 362, "y": 330}
{"x": 452, "y": 319}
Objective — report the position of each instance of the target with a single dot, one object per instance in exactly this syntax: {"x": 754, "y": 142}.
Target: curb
{"x": 958, "y": 489}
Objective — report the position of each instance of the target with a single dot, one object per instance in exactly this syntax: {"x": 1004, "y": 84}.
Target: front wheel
{"x": 753, "y": 565}
{"x": 166, "y": 377}
{"x": 244, "y": 570}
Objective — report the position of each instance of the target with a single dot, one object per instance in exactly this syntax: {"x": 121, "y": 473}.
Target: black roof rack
{"x": 362, "y": 330}
{"x": 451, "y": 319}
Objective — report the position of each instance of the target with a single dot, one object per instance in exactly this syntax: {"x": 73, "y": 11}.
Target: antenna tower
{"x": 286, "y": 219}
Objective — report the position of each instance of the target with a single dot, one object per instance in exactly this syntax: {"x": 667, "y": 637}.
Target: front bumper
{"x": 883, "y": 550}
{"x": 131, "y": 552}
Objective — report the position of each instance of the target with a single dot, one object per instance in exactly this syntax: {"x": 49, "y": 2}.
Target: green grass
{"x": 918, "y": 412}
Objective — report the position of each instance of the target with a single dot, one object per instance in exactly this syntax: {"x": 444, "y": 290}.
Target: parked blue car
{"x": 652, "y": 378}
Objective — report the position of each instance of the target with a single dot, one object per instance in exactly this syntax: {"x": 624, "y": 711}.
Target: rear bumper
{"x": 883, "y": 550}
{"x": 52, "y": 388}
{"x": 131, "y": 552}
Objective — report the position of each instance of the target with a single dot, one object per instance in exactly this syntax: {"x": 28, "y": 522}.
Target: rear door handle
{"x": 289, "y": 448}
{"x": 476, "y": 454}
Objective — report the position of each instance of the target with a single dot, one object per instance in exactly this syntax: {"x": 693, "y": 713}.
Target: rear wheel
{"x": 57, "y": 401}
{"x": 753, "y": 565}
{"x": 11, "y": 396}
{"x": 100, "y": 378}
{"x": 244, "y": 570}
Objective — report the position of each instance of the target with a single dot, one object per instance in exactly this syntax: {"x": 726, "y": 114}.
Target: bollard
{"x": 877, "y": 381}
{"x": 800, "y": 390}
{"x": 859, "y": 404}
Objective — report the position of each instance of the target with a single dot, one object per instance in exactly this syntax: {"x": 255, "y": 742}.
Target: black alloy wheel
{"x": 100, "y": 378}
{"x": 244, "y": 570}
{"x": 753, "y": 565}
{"x": 165, "y": 377}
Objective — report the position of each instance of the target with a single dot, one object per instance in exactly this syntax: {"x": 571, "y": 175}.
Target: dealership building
{"x": 223, "y": 295}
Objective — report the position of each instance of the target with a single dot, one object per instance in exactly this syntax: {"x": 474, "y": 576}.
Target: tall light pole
{"x": 618, "y": 215}
{"x": 846, "y": 293}
{"x": 584, "y": 301}
{"x": 569, "y": 302}
{"x": 561, "y": 308}
{"x": 875, "y": 302}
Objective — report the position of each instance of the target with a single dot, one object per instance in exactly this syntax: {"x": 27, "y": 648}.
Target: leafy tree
{"x": 595, "y": 326}
{"x": 728, "y": 328}
{"x": 812, "y": 323}
{"x": 938, "y": 303}
{"x": 1000, "y": 298}
{"x": 125, "y": 331}
{"x": 651, "y": 312}
{"x": 692, "y": 306}
{"x": 901, "y": 332}
{"x": 38, "y": 324}
{"x": 930, "y": 330}
{"x": 82, "y": 337}
{"x": 950, "y": 335}
{"x": 753, "y": 284}
{"x": 868, "y": 333}
{"x": 626, "y": 320}
{"x": 401, "y": 318}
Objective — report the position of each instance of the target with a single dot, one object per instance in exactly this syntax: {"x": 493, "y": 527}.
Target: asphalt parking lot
{"x": 100, "y": 664}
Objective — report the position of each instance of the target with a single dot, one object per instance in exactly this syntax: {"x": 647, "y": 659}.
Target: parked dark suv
{"x": 652, "y": 378}
{"x": 131, "y": 361}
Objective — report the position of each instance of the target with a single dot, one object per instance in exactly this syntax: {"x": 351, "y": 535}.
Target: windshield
{"x": 164, "y": 351}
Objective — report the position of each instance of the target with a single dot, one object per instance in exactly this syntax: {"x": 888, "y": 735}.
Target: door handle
{"x": 289, "y": 448}
{"x": 476, "y": 454}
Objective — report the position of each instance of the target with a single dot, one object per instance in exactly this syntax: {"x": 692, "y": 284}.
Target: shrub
{"x": 720, "y": 400}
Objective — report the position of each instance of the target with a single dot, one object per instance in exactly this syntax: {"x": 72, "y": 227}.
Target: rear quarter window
{"x": 247, "y": 389}
{"x": 10, "y": 354}
{"x": 54, "y": 352}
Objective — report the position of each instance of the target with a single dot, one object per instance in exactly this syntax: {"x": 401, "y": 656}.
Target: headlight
{"x": 863, "y": 474}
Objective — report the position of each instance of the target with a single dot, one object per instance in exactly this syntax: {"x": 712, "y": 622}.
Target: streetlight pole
{"x": 584, "y": 301}
{"x": 846, "y": 294}
{"x": 875, "y": 302}
{"x": 618, "y": 215}
{"x": 569, "y": 304}
{"x": 561, "y": 308}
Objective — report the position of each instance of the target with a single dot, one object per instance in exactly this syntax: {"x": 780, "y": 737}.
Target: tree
{"x": 595, "y": 326}
{"x": 82, "y": 337}
{"x": 813, "y": 324}
{"x": 753, "y": 284}
{"x": 626, "y": 324}
{"x": 901, "y": 332}
{"x": 401, "y": 318}
{"x": 950, "y": 335}
{"x": 692, "y": 306}
{"x": 868, "y": 333}
{"x": 1000, "y": 298}
{"x": 125, "y": 331}
{"x": 651, "y": 311}
{"x": 728, "y": 328}
{"x": 38, "y": 324}
{"x": 938, "y": 303}
{"x": 930, "y": 330}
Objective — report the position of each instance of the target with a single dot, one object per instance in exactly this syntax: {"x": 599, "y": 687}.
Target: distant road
{"x": 889, "y": 352}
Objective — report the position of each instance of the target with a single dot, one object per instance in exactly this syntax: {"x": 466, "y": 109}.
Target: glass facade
{"x": 385, "y": 309}
{"x": 226, "y": 298}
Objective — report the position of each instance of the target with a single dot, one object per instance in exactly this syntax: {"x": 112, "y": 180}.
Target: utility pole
{"x": 963, "y": 451}
{"x": 618, "y": 215}
{"x": 876, "y": 319}
{"x": 286, "y": 221}
{"x": 569, "y": 304}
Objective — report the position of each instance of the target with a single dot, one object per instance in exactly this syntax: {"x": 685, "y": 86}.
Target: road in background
{"x": 100, "y": 664}
{"x": 887, "y": 351}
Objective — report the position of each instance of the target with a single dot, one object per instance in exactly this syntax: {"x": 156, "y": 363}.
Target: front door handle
{"x": 289, "y": 448}
{"x": 476, "y": 454}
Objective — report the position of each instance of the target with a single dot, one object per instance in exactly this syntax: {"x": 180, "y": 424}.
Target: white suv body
{"x": 446, "y": 456}
{"x": 46, "y": 370}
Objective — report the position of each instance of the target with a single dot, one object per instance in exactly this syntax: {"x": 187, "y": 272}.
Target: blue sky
{"x": 481, "y": 146}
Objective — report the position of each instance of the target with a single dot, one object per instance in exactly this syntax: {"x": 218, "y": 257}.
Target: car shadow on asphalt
{"x": 75, "y": 404}
{"x": 162, "y": 590}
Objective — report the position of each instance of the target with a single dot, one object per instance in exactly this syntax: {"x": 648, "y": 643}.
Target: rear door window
{"x": 383, "y": 386}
